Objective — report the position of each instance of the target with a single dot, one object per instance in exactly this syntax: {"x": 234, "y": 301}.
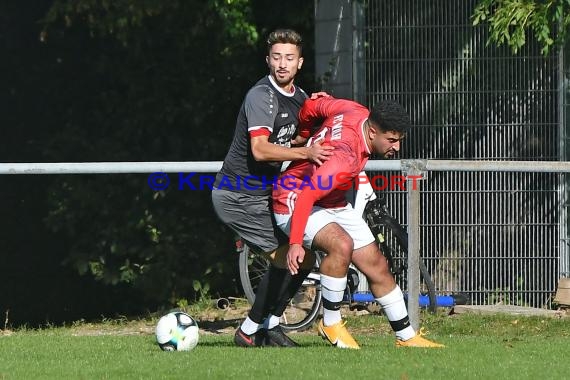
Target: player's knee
{"x": 342, "y": 251}
{"x": 344, "y": 246}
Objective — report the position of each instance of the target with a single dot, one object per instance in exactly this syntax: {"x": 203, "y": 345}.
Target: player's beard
{"x": 284, "y": 79}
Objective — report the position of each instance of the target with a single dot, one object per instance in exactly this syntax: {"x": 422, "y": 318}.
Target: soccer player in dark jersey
{"x": 310, "y": 205}
{"x": 265, "y": 133}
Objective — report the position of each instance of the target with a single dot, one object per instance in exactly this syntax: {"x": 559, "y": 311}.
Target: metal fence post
{"x": 563, "y": 104}
{"x": 413, "y": 169}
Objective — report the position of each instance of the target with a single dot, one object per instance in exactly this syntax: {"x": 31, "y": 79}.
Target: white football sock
{"x": 250, "y": 327}
{"x": 271, "y": 321}
{"x": 333, "y": 291}
{"x": 394, "y": 307}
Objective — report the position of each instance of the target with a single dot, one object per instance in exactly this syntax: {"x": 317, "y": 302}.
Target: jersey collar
{"x": 283, "y": 92}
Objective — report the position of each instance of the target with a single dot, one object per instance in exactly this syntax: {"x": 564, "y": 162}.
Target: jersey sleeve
{"x": 260, "y": 107}
{"x": 315, "y": 111}
{"x": 333, "y": 174}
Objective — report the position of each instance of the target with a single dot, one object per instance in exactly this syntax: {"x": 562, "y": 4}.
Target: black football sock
{"x": 267, "y": 293}
{"x": 289, "y": 289}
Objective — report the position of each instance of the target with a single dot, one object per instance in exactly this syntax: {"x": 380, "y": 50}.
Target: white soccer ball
{"x": 177, "y": 331}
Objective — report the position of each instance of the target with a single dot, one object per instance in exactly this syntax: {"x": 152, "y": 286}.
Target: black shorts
{"x": 251, "y": 217}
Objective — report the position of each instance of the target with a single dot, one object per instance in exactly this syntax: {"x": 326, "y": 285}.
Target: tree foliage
{"x": 510, "y": 21}
{"x": 123, "y": 80}
{"x": 121, "y": 18}
{"x": 146, "y": 81}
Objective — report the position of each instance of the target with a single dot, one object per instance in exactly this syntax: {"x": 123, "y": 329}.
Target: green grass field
{"x": 478, "y": 347}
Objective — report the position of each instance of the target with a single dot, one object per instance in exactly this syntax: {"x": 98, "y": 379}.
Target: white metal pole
{"x": 413, "y": 188}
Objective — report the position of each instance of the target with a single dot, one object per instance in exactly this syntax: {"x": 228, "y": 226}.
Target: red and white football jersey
{"x": 304, "y": 184}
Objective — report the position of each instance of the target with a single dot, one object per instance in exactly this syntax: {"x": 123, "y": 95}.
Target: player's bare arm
{"x": 263, "y": 150}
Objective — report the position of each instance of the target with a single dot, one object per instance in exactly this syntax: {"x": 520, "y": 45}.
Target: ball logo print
{"x": 177, "y": 331}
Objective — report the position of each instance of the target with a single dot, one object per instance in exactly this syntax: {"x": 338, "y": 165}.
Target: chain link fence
{"x": 497, "y": 237}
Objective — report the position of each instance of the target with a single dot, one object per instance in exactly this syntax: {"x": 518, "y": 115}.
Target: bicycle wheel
{"x": 303, "y": 308}
{"x": 396, "y": 236}
{"x": 252, "y": 267}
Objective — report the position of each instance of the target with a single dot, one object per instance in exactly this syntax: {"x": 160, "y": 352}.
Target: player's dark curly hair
{"x": 389, "y": 115}
{"x": 285, "y": 36}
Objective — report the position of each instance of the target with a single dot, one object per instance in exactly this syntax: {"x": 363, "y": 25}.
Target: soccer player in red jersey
{"x": 310, "y": 205}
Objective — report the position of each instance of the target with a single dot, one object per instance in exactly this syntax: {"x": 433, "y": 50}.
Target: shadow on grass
{"x": 219, "y": 326}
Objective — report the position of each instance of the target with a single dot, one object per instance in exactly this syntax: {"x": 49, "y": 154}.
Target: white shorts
{"x": 348, "y": 218}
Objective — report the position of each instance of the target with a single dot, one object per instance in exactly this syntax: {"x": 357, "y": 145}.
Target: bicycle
{"x": 305, "y": 306}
